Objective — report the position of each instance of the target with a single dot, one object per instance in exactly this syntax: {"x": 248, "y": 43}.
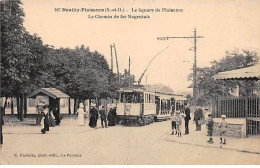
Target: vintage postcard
{"x": 133, "y": 82}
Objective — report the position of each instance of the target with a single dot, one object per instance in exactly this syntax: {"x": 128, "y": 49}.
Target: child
{"x": 209, "y": 125}
{"x": 223, "y": 129}
{"x": 173, "y": 124}
{"x": 178, "y": 119}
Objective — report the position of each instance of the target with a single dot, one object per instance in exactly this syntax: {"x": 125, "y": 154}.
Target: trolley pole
{"x": 194, "y": 64}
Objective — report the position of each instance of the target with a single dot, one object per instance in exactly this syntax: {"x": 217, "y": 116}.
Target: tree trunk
{"x": 89, "y": 107}
{"x": 21, "y": 108}
{"x": 25, "y": 106}
{"x": 18, "y": 107}
{"x": 5, "y": 104}
{"x": 84, "y": 103}
{"x": 59, "y": 108}
{"x": 69, "y": 108}
{"x": 12, "y": 105}
{"x": 97, "y": 103}
{"x": 75, "y": 106}
{"x": 1, "y": 122}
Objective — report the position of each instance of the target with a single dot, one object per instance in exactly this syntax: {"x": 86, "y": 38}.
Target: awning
{"x": 250, "y": 73}
{"x": 51, "y": 92}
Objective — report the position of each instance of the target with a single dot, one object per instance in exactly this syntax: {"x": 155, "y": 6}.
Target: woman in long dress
{"x": 81, "y": 115}
{"x": 45, "y": 120}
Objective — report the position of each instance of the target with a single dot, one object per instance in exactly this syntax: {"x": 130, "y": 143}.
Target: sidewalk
{"x": 200, "y": 138}
{"x": 68, "y": 125}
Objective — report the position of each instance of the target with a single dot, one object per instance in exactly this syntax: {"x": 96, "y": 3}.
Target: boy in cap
{"x": 223, "y": 129}
{"x": 173, "y": 124}
{"x": 209, "y": 125}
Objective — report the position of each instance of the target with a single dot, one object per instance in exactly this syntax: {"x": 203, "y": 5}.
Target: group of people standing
{"x": 48, "y": 119}
{"x": 177, "y": 121}
{"x": 222, "y": 127}
{"x": 107, "y": 118}
{"x": 178, "y": 116}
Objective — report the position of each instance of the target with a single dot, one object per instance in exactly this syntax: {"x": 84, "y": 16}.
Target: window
{"x": 131, "y": 97}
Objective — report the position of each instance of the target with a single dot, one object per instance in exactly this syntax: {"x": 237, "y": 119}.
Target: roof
{"x": 251, "y": 73}
{"x": 160, "y": 88}
{"x": 191, "y": 85}
{"x": 51, "y": 92}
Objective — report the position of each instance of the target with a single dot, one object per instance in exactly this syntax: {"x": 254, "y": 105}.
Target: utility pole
{"x": 194, "y": 64}
{"x": 111, "y": 49}
{"x": 117, "y": 63}
{"x": 129, "y": 74}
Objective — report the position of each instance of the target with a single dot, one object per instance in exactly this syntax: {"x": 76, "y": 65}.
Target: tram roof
{"x": 140, "y": 89}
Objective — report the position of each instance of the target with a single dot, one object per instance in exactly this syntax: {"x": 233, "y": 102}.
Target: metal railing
{"x": 237, "y": 107}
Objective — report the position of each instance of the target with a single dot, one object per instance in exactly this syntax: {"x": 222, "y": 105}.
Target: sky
{"x": 224, "y": 24}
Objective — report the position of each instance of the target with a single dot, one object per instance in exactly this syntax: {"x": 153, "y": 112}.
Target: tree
{"x": 15, "y": 54}
{"x": 125, "y": 79}
{"x": 22, "y": 56}
{"x": 82, "y": 74}
{"x": 211, "y": 88}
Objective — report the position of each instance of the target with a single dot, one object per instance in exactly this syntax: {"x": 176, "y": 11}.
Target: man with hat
{"x": 209, "y": 125}
{"x": 223, "y": 129}
{"x": 198, "y": 115}
{"x": 187, "y": 119}
{"x": 103, "y": 116}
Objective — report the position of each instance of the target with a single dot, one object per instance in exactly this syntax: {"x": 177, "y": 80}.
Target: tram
{"x": 144, "y": 106}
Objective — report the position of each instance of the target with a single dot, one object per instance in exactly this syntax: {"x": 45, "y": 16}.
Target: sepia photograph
{"x": 133, "y": 82}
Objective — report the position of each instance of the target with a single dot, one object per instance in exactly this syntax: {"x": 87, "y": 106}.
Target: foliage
{"x": 211, "y": 88}
{"x": 27, "y": 64}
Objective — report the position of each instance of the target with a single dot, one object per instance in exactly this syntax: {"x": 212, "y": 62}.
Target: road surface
{"x": 119, "y": 145}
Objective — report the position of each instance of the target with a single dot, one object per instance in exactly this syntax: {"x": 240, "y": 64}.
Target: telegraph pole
{"x": 129, "y": 74}
{"x": 116, "y": 63}
{"x": 111, "y": 49}
{"x": 194, "y": 64}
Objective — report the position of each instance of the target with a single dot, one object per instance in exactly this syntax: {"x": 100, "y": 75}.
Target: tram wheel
{"x": 141, "y": 121}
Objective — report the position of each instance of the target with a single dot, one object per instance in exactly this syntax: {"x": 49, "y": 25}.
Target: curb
{"x": 238, "y": 150}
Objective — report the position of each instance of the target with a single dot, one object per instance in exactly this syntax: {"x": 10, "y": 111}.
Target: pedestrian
{"x": 173, "y": 123}
{"x": 223, "y": 129}
{"x": 112, "y": 116}
{"x": 81, "y": 115}
{"x": 93, "y": 117}
{"x": 178, "y": 119}
{"x": 57, "y": 116}
{"x": 187, "y": 119}
{"x": 52, "y": 120}
{"x": 103, "y": 116}
{"x": 45, "y": 119}
{"x": 209, "y": 124}
{"x": 198, "y": 115}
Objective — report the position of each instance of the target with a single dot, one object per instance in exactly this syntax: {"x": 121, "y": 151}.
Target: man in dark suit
{"x": 103, "y": 116}
{"x": 187, "y": 119}
{"x": 198, "y": 115}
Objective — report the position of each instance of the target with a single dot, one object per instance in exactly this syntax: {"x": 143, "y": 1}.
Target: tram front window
{"x": 131, "y": 98}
